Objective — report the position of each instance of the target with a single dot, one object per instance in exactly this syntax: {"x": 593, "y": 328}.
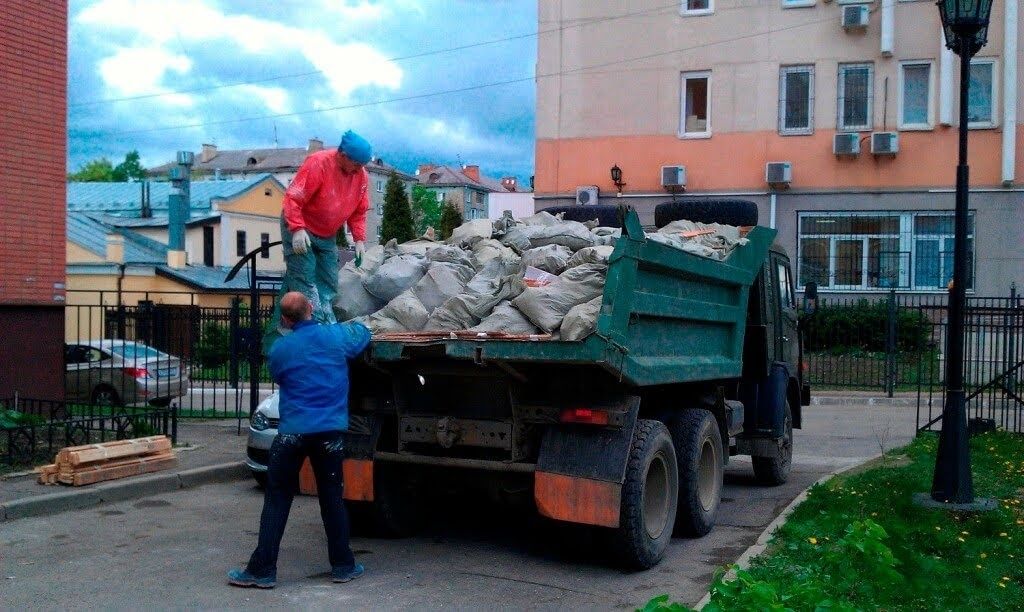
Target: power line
{"x": 473, "y": 87}
{"x": 393, "y": 59}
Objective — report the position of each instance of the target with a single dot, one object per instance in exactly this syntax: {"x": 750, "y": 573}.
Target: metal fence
{"x": 32, "y": 431}
{"x": 196, "y": 353}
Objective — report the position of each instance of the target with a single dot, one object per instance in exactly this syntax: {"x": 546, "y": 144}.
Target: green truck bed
{"x": 667, "y": 316}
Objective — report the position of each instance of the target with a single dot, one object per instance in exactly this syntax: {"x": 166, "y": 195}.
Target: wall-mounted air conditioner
{"x": 673, "y": 177}
{"x": 586, "y": 195}
{"x": 846, "y": 144}
{"x": 778, "y": 173}
{"x": 885, "y": 143}
{"x": 856, "y": 16}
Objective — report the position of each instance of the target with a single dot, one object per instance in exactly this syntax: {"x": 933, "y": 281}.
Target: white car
{"x": 262, "y": 431}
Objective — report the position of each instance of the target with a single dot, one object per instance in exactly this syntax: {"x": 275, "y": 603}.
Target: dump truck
{"x": 693, "y": 361}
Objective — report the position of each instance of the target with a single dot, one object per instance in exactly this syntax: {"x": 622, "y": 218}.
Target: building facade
{"x": 213, "y": 163}
{"x": 33, "y": 150}
{"x": 857, "y": 100}
{"x": 464, "y": 187}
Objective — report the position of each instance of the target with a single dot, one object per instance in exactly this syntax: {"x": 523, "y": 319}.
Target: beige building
{"x": 837, "y": 118}
{"x": 464, "y": 187}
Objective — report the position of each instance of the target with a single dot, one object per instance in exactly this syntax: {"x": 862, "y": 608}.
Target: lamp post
{"x": 965, "y": 23}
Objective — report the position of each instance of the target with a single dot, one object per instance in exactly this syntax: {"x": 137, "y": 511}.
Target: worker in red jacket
{"x": 330, "y": 190}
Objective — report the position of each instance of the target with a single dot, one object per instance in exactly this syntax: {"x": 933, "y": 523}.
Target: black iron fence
{"x": 197, "y": 354}
{"x": 32, "y": 431}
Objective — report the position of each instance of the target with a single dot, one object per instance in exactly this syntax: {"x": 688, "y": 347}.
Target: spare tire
{"x": 728, "y": 212}
{"x": 606, "y": 215}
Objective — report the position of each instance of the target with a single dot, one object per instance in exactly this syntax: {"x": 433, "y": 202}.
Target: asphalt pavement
{"x": 171, "y": 551}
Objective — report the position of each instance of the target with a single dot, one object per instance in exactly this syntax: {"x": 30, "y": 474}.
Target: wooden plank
{"x": 81, "y": 469}
{"x": 141, "y": 466}
{"x": 133, "y": 448}
{"x": 66, "y": 452}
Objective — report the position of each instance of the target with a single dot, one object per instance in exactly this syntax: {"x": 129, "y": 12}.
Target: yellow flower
{"x": 812, "y": 540}
{"x": 964, "y": 533}
{"x": 984, "y": 555}
{"x": 977, "y": 565}
{"x": 876, "y": 514}
{"x": 937, "y": 528}
{"x": 962, "y": 540}
{"x": 1006, "y": 578}
{"x": 1002, "y": 584}
{"x": 1002, "y": 534}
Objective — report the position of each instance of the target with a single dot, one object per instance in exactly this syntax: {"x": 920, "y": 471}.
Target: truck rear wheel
{"x": 649, "y": 497}
{"x": 396, "y": 510}
{"x": 701, "y": 471}
{"x": 773, "y": 471}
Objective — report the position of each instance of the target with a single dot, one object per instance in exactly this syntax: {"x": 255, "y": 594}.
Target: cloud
{"x": 141, "y": 70}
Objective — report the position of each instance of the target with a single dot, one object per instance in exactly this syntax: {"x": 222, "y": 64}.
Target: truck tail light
{"x": 588, "y": 416}
{"x": 137, "y": 372}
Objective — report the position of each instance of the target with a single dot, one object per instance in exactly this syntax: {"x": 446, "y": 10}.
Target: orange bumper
{"x": 358, "y": 474}
{"x": 577, "y": 500}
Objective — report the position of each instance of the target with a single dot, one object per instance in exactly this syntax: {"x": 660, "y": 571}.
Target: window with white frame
{"x": 797, "y": 3}
{"x": 690, "y": 8}
{"x": 981, "y": 99}
{"x": 380, "y": 186}
{"x": 915, "y": 95}
{"x": 796, "y": 100}
{"x": 854, "y": 251}
{"x": 440, "y": 196}
{"x": 855, "y": 96}
{"x": 380, "y": 209}
{"x": 695, "y": 115}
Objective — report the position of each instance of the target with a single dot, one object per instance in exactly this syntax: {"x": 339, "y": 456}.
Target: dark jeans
{"x": 325, "y": 451}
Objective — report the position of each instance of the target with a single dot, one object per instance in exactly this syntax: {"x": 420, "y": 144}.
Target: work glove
{"x": 360, "y": 251}
{"x": 300, "y": 242}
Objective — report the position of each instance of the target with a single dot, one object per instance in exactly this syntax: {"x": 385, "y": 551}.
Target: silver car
{"x": 262, "y": 431}
{"x": 122, "y": 372}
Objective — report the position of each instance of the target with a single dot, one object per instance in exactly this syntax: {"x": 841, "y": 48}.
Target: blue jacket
{"x": 310, "y": 365}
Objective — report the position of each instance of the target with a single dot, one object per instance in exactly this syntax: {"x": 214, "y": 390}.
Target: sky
{"x": 159, "y": 77}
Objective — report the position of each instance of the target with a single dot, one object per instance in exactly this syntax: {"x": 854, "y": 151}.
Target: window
{"x": 692, "y": 8}
{"x": 440, "y": 196}
{"x": 980, "y": 109}
{"x": 264, "y": 246}
{"x": 479, "y": 198}
{"x": 207, "y": 245}
{"x": 380, "y": 209}
{"x": 797, "y": 3}
{"x": 796, "y": 100}
{"x": 240, "y": 243}
{"x": 469, "y": 196}
{"x": 915, "y": 95}
{"x": 380, "y": 186}
{"x": 786, "y": 299}
{"x": 855, "y": 93}
{"x": 695, "y": 119}
{"x": 883, "y": 250}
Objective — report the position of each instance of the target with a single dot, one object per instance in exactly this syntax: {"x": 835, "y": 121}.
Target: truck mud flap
{"x": 358, "y": 475}
{"x": 580, "y": 471}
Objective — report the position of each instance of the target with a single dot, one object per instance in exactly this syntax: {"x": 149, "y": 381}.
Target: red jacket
{"x": 321, "y": 198}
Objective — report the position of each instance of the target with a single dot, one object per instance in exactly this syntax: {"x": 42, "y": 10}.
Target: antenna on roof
{"x": 275, "y": 134}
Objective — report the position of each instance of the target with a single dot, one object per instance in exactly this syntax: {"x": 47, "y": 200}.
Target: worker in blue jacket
{"x": 310, "y": 366}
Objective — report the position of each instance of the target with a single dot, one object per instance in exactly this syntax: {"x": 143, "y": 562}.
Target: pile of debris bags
{"x": 539, "y": 275}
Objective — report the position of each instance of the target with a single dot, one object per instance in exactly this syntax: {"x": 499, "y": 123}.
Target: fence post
{"x": 890, "y": 346}
{"x": 1011, "y": 325}
{"x": 233, "y": 333}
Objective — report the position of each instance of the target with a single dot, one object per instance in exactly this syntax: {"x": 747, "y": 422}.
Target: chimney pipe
{"x": 424, "y": 168}
{"x": 315, "y": 144}
{"x": 208, "y": 153}
{"x": 473, "y": 172}
{"x": 178, "y": 209}
{"x": 147, "y": 208}
{"x": 115, "y": 248}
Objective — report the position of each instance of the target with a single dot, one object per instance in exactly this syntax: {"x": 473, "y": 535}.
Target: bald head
{"x": 295, "y": 307}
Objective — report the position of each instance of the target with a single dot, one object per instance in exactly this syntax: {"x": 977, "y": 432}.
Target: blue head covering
{"x": 355, "y": 147}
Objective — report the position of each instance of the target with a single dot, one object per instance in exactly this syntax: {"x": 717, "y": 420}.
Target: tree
{"x": 426, "y": 209}
{"x": 451, "y": 218}
{"x": 129, "y": 169}
{"x": 396, "y": 221}
{"x": 100, "y": 170}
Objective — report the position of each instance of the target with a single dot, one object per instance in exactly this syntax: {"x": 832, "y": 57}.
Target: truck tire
{"x": 699, "y": 450}
{"x": 728, "y": 212}
{"x": 606, "y": 215}
{"x": 649, "y": 497}
{"x": 773, "y": 471}
{"x": 396, "y": 510}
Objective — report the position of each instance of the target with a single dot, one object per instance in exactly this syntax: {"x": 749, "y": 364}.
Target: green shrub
{"x": 214, "y": 348}
{"x": 451, "y": 218}
{"x": 864, "y": 326}
{"x": 10, "y": 419}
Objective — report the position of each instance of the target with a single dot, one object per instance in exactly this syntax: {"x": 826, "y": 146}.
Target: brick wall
{"x": 33, "y": 150}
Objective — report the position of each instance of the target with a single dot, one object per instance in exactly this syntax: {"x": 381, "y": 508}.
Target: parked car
{"x": 262, "y": 431}
{"x": 122, "y": 372}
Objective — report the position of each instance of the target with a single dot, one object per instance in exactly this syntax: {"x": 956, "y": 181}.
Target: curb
{"x": 114, "y": 491}
{"x": 758, "y": 547}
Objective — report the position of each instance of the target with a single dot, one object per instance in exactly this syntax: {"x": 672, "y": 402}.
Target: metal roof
{"x": 210, "y": 278}
{"x": 125, "y": 199}
{"x": 232, "y": 161}
{"x": 446, "y": 176}
{"x": 91, "y": 235}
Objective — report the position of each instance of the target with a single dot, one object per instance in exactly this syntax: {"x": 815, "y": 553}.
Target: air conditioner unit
{"x": 776, "y": 173}
{"x": 673, "y": 177}
{"x": 885, "y": 143}
{"x": 586, "y": 195}
{"x": 856, "y": 16}
{"x": 846, "y": 144}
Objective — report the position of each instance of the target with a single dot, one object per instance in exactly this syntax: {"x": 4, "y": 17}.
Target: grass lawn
{"x": 223, "y": 373}
{"x": 859, "y": 543}
{"x": 864, "y": 370}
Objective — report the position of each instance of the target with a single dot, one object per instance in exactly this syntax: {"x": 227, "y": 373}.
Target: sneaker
{"x": 242, "y": 578}
{"x": 347, "y": 574}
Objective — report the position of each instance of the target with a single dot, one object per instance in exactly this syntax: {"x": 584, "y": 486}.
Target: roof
{"x": 446, "y": 176}
{"x": 125, "y": 199}
{"x": 91, "y": 234}
{"x": 233, "y": 161}
{"x": 157, "y": 221}
{"x": 208, "y": 278}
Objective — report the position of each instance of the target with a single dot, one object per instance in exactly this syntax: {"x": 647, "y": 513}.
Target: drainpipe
{"x": 1010, "y": 34}
{"x": 946, "y": 59}
{"x": 888, "y": 27}
{"x": 771, "y": 211}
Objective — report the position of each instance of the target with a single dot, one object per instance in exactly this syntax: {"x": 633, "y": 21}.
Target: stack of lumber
{"x": 92, "y": 463}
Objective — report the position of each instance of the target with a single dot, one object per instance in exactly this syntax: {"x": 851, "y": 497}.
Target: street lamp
{"x": 965, "y": 23}
{"x": 616, "y": 172}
